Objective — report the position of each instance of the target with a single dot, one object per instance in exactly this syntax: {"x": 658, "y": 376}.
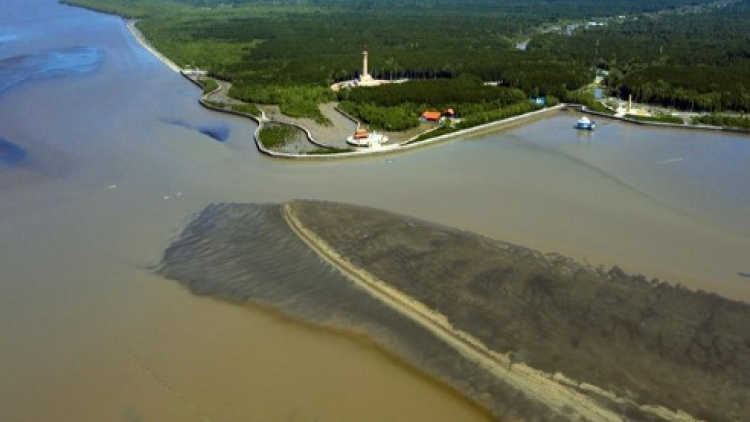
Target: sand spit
{"x": 247, "y": 254}
{"x": 529, "y": 336}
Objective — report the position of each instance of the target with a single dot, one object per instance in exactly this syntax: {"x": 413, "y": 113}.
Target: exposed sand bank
{"x": 525, "y": 334}
{"x": 110, "y": 179}
{"x": 677, "y": 348}
{"x": 532, "y": 383}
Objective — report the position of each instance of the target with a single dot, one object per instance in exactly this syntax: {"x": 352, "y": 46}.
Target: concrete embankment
{"x": 584, "y": 109}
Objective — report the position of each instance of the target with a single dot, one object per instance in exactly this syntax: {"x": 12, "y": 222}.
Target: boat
{"x": 363, "y": 139}
{"x": 585, "y": 123}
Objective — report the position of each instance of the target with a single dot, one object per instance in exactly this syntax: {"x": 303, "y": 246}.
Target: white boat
{"x": 363, "y": 139}
{"x": 585, "y": 123}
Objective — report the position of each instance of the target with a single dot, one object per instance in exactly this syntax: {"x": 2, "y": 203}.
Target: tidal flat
{"x": 523, "y": 334}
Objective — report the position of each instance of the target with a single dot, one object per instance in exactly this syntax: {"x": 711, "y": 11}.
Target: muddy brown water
{"x": 106, "y": 180}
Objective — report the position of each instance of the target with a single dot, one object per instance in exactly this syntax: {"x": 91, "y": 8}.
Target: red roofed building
{"x": 360, "y": 133}
{"x": 432, "y": 116}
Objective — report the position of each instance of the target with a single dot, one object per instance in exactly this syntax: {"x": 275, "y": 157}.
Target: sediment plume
{"x": 527, "y": 335}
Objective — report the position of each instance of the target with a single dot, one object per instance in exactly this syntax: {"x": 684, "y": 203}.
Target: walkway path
{"x": 333, "y": 135}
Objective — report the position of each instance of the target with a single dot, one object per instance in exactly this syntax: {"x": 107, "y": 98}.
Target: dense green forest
{"x": 691, "y": 61}
{"x": 394, "y": 106}
{"x": 288, "y": 52}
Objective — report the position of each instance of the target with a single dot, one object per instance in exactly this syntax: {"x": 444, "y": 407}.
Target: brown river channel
{"x": 106, "y": 155}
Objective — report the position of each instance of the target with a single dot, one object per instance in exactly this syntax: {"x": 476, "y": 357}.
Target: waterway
{"x": 105, "y": 155}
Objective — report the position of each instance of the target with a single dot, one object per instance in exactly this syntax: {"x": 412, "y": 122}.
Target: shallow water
{"x": 61, "y": 62}
{"x": 698, "y": 172}
{"x": 10, "y": 153}
{"x": 107, "y": 180}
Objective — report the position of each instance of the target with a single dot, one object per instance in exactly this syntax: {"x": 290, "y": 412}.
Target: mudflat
{"x": 527, "y": 335}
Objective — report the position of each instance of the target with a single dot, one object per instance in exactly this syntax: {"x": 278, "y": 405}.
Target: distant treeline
{"x": 395, "y": 106}
{"x": 690, "y": 88}
{"x": 287, "y": 52}
{"x": 692, "y": 61}
{"x": 725, "y": 121}
{"x": 436, "y": 93}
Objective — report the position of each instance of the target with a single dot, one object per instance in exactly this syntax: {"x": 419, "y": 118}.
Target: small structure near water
{"x": 362, "y": 139}
{"x": 365, "y": 79}
{"x": 436, "y": 116}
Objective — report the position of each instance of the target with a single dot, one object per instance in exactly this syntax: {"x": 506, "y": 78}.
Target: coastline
{"x": 111, "y": 179}
{"x": 141, "y": 39}
{"x": 404, "y": 146}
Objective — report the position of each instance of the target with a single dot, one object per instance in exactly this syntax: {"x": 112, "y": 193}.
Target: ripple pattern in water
{"x": 10, "y": 153}
{"x": 69, "y": 61}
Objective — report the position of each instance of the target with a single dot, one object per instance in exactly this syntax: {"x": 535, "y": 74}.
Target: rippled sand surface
{"x": 681, "y": 350}
{"x": 97, "y": 178}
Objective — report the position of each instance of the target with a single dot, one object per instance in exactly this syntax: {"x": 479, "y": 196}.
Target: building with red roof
{"x": 432, "y": 116}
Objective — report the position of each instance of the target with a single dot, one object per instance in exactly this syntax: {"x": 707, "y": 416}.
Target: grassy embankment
{"x": 658, "y": 118}
{"x": 250, "y": 109}
{"x": 276, "y": 136}
{"x": 723, "y": 121}
{"x": 209, "y": 85}
{"x": 599, "y": 108}
{"x": 480, "y": 119}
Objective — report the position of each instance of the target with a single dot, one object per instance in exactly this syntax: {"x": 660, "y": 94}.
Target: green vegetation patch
{"x": 481, "y": 119}
{"x": 209, "y": 85}
{"x": 659, "y": 118}
{"x": 274, "y": 136}
{"x": 689, "y": 54}
{"x": 687, "y": 59}
{"x": 398, "y": 106}
{"x": 464, "y": 89}
{"x": 599, "y": 107}
{"x": 217, "y": 104}
{"x": 395, "y": 118}
{"x": 293, "y": 100}
{"x": 250, "y": 109}
{"x": 442, "y": 130}
{"x": 741, "y": 122}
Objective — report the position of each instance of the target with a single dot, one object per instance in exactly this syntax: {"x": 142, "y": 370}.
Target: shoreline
{"x": 143, "y": 41}
{"x": 404, "y": 146}
{"x": 390, "y": 149}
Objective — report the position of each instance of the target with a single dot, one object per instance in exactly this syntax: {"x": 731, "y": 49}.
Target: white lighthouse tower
{"x": 365, "y": 79}
{"x": 364, "y": 63}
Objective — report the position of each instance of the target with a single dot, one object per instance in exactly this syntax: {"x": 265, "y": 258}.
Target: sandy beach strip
{"x": 138, "y": 35}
